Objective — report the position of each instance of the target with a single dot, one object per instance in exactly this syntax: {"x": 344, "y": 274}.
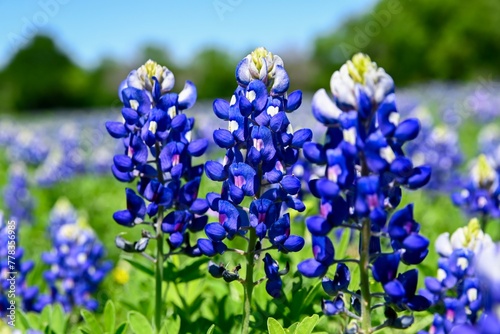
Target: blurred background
{"x": 71, "y": 55}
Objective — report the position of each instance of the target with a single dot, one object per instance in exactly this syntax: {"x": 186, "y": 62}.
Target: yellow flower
{"x": 121, "y": 272}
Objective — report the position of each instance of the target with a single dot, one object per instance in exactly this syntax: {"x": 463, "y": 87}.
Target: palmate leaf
{"x": 122, "y": 328}
{"x": 187, "y": 274}
{"x": 211, "y": 329}
{"x": 274, "y": 327}
{"x": 59, "y": 319}
{"x": 141, "y": 267}
{"x": 139, "y": 324}
{"x": 109, "y": 317}
{"x": 91, "y": 322}
{"x": 307, "y": 325}
{"x": 24, "y": 321}
{"x": 171, "y": 325}
{"x": 292, "y": 328}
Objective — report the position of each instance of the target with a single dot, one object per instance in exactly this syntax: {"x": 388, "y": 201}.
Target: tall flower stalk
{"x": 365, "y": 168}
{"x": 157, "y": 150}
{"x": 261, "y": 147}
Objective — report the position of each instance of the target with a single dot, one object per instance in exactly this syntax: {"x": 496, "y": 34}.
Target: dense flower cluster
{"x": 261, "y": 146}
{"x": 77, "y": 260}
{"x": 158, "y": 150}
{"x": 77, "y": 150}
{"x": 466, "y": 288}
{"x": 481, "y": 194}
{"x": 17, "y": 197}
{"x": 365, "y": 168}
{"x": 13, "y": 271}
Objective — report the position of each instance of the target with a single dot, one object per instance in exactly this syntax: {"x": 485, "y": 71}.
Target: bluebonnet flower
{"x": 480, "y": 196}
{"x": 273, "y": 275}
{"x": 438, "y": 147}
{"x": 483, "y": 103}
{"x": 18, "y": 200}
{"x": 489, "y": 276}
{"x": 75, "y": 151}
{"x": 77, "y": 262}
{"x": 30, "y": 299}
{"x": 157, "y": 150}
{"x": 489, "y": 143}
{"x": 458, "y": 287}
{"x": 61, "y": 214}
{"x": 261, "y": 147}
{"x": 28, "y": 147}
{"x": 365, "y": 168}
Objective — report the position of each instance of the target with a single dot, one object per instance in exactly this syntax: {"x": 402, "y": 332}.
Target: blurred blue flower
{"x": 480, "y": 196}
{"x": 13, "y": 271}
{"x": 18, "y": 199}
{"x": 77, "y": 263}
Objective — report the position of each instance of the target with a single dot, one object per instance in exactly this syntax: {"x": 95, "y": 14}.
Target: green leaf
{"x": 211, "y": 329}
{"x": 46, "y": 316}
{"x": 58, "y": 323}
{"x": 191, "y": 272}
{"x": 91, "y": 322}
{"x": 84, "y": 330}
{"x": 139, "y": 323}
{"x": 311, "y": 294}
{"x": 34, "y": 320}
{"x": 122, "y": 328}
{"x": 292, "y": 328}
{"x": 274, "y": 327}
{"x": 24, "y": 321}
{"x": 109, "y": 316}
{"x": 137, "y": 265}
{"x": 307, "y": 325}
{"x": 174, "y": 325}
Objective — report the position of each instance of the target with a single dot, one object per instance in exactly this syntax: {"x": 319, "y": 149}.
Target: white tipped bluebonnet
{"x": 365, "y": 168}
{"x": 261, "y": 147}
{"x": 466, "y": 289}
{"x": 158, "y": 150}
{"x": 262, "y": 65}
{"x": 142, "y": 78}
{"x": 481, "y": 194}
{"x": 359, "y": 79}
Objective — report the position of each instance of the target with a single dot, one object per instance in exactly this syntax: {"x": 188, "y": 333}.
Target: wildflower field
{"x": 359, "y": 209}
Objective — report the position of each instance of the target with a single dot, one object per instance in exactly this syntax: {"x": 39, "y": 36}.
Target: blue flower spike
{"x": 364, "y": 170}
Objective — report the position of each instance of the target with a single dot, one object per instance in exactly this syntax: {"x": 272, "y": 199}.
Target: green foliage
{"x": 41, "y": 76}
{"x": 51, "y": 320}
{"x": 305, "y": 326}
{"x": 139, "y": 323}
{"x": 417, "y": 41}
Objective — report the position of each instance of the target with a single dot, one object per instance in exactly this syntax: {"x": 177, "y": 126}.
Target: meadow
{"x": 65, "y": 159}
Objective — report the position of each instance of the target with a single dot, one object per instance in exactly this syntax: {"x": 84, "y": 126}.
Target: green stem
{"x": 364, "y": 263}
{"x": 159, "y": 252}
{"x": 159, "y": 272}
{"x": 249, "y": 283}
{"x": 248, "y": 286}
{"x": 364, "y": 276}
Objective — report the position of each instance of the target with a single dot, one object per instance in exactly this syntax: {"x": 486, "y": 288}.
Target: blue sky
{"x": 90, "y": 30}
